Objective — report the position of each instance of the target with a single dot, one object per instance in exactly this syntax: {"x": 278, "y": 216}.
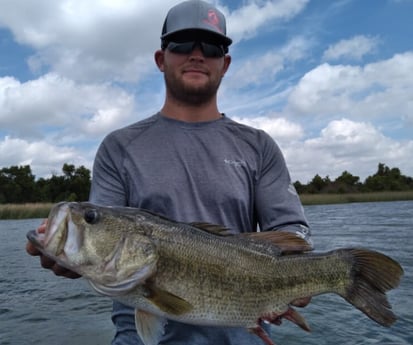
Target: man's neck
{"x": 191, "y": 113}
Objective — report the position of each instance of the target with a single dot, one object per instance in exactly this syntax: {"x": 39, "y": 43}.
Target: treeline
{"x": 385, "y": 179}
{"x": 19, "y": 185}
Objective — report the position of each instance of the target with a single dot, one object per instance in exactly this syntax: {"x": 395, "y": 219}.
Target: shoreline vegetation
{"x": 41, "y": 210}
{"x": 25, "y": 211}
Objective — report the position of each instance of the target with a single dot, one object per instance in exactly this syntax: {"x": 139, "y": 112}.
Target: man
{"x": 189, "y": 162}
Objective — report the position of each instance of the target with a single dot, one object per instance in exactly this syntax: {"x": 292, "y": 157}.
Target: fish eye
{"x": 91, "y": 216}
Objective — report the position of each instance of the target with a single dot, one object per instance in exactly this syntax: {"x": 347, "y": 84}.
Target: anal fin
{"x": 150, "y": 327}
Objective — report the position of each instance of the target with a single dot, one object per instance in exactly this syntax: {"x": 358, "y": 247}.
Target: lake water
{"x": 38, "y": 308}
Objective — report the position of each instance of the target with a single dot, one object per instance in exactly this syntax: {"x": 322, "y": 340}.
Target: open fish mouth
{"x": 53, "y": 240}
{"x": 59, "y": 239}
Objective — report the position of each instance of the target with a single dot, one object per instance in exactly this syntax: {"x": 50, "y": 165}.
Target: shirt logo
{"x": 235, "y": 162}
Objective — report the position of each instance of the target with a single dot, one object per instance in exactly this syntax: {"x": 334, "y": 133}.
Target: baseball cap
{"x": 196, "y": 15}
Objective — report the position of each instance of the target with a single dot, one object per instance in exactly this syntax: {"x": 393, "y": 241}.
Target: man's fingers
{"x": 46, "y": 262}
{"x": 42, "y": 227}
{"x": 57, "y": 269}
{"x": 64, "y": 272}
{"x": 301, "y": 302}
{"x": 32, "y": 250}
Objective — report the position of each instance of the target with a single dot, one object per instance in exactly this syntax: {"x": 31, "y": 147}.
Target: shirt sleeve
{"x": 108, "y": 187}
{"x": 277, "y": 204}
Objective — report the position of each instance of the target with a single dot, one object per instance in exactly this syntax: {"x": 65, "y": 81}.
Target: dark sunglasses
{"x": 208, "y": 49}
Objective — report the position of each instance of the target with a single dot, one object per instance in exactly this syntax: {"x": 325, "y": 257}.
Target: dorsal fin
{"x": 212, "y": 228}
{"x": 287, "y": 242}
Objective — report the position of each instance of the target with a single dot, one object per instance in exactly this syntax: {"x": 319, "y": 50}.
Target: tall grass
{"x": 25, "y": 211}
{"x": 41, "y": 210}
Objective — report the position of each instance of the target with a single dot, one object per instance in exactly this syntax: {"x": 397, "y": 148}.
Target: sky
{"x": 330, "y": 81}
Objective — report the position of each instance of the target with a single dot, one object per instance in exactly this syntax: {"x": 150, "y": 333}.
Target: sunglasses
{"x": 208, "y": 49}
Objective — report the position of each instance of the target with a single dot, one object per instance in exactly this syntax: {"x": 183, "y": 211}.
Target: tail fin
{"x": 373, "y": 274}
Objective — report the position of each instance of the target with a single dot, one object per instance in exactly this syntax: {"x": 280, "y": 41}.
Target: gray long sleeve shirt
{"x": 220, "y": 172}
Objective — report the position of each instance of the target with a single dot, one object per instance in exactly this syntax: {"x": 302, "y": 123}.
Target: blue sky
{"x": 330, "y": 81}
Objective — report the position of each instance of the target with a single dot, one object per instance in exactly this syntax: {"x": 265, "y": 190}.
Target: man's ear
{"x": 159, "y": 59}
{"x": 227, "y": 62}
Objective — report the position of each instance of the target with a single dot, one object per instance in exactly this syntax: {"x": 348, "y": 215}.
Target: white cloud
{"x": 343, "y": 145}
{"x": 53, "y": 101}
{"x": 353, "y": 48}
{"x": 347, "y": 138}
{"x": 378, "y": 89}
{"x": 246, "y": 20}
{"x": 280, "y": 129}
{"x": 262, "y": 68}
{"x": 347, "y": 145}
{"x": 297, "y": 48}
{"x": 100, "y": 40}
{"x": 43, "y": 157}
{"x": 255, "y": 71}
{"x": 99, "y": 26}
{"x": 88, "y": 40}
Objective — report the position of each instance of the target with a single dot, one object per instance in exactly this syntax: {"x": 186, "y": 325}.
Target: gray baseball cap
{"x": 196, "y": 15}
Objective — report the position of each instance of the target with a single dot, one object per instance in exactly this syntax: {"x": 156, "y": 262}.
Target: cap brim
{"x": 197, "y": 33}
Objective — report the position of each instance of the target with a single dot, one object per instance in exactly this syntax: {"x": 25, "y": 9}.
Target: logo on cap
{"x": 213, "y": 20}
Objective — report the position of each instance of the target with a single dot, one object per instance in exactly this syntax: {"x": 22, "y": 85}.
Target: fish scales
{"x": 263, "y": 286}
{"x": 201, "y": 273}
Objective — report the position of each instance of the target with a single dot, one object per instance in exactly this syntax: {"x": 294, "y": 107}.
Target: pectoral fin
{"x": 166, "y": 301}
{"x": 150, "y": 327}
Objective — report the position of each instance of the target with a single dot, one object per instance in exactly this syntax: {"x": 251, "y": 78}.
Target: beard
{"x": 190, "y": 94}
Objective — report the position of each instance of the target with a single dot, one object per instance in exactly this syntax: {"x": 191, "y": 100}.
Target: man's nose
{"x": 197, "y": 53}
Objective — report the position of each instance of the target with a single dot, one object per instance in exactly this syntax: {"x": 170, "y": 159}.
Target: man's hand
{"x": 47, "y": 262}
{"x": 301, "y": 302}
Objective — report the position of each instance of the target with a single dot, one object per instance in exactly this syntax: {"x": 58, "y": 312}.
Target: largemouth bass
{"x": 199, "y": 274}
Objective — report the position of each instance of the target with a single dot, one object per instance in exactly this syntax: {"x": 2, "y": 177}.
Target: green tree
{"x": 73, "y": 185}
{"x": 80, "y": 183}
{"x": 318, "y": 184}
{"x": 300, "y": 188}
{"x": 69, "y": 171}
{"x": 386, "y": 179}
{"x": 17, "y": 185}
{"x": 346, "y": 183}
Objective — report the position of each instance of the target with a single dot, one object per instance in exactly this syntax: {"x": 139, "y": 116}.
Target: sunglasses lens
{"x": 212, "y": 50}
{"x": 181, "y": 48}
{"x": 208, "y": 49}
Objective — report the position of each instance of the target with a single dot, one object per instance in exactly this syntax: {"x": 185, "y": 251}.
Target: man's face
{"x": 192, "y": 78}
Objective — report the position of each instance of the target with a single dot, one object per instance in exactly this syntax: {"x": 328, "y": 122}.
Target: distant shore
{"x": 41, "y": 210}
{"x": 325, "y": 199}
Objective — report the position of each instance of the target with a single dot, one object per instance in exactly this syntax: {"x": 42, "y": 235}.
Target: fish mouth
{"x": 52, "y": 241}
